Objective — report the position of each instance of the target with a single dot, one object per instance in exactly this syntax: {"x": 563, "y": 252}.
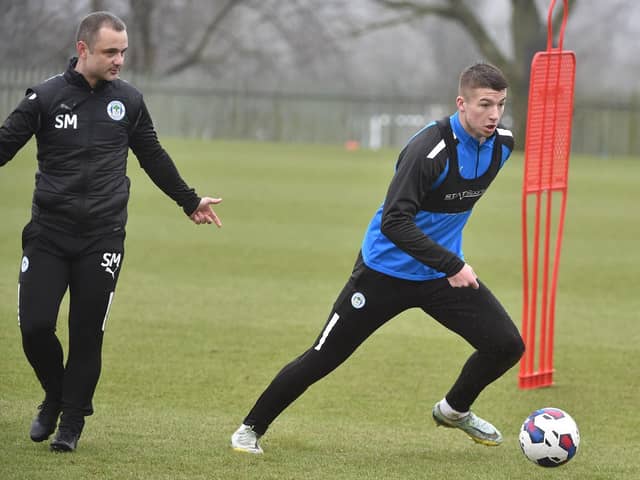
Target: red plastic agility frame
{"x": 546, "y": 167}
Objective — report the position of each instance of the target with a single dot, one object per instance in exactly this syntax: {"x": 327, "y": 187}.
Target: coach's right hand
{"x": 204, "y": 213}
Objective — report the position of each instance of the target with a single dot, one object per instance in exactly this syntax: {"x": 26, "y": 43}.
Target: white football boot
{"x": 244, "y": 439}
{"x": 478, "y": 430}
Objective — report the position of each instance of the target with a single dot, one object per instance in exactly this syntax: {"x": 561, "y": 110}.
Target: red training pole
{"x": 546, "y": 168}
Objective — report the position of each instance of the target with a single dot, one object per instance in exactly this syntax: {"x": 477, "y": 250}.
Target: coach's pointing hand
{"x": 204, "y": 213}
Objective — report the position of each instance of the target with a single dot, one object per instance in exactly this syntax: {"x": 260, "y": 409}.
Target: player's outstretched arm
{"x": 204, "y": 213}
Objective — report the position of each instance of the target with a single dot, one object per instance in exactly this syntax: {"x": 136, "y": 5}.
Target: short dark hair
{"x": 482, "y": 75}
{"x": 89, "y": 26}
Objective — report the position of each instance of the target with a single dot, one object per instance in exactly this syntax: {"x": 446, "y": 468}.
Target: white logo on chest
{"x": 67, "y": 121}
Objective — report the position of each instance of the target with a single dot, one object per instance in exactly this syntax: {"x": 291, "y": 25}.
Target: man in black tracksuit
{"x": 84, "y": 120}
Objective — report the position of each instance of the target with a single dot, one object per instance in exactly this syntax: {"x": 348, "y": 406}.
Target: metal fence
{"x": 604, "y": 129}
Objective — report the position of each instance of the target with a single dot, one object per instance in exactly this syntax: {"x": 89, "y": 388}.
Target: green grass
{"x": 204, "y": 318}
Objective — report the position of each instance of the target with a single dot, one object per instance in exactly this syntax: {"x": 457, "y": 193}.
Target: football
{"x": 549, "y": 437}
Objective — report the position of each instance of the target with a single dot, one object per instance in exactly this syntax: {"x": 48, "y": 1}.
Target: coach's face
{"x": 104, "y": 59}
{"x": 480, "y": 111}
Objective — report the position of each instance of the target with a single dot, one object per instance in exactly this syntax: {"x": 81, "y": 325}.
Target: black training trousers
{"x": 368, "y": 301}
{"x": 89, "y": 267}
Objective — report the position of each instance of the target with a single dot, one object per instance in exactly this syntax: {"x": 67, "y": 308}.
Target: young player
{"x": 411, "y": 256}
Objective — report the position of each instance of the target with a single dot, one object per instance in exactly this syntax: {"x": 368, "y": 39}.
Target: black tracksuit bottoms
{"x": 88, "y": 266}
{"x": 368, "y": 301}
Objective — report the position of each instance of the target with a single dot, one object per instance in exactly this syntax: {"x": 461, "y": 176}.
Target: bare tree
{"x": 528, "y": 35}
{"x": 399, "y": 47}
{"x": 142, "y": 55}
{"x": 194, "y": 54}
{"x": 31, "y": 33}
{"x": 258, "y": 41}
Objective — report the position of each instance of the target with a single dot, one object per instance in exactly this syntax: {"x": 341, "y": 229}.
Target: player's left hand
{"x": 204, "y": 213}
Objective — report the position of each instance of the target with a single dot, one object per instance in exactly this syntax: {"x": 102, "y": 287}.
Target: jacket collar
{"x": 74, "y": 77}
{"x": 463, "y": 136}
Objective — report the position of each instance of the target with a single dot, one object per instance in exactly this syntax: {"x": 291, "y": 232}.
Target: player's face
{"x": 480, "y": 111}
{"x": 105, "y": 59}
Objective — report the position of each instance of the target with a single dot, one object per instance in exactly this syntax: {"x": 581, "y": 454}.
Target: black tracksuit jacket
{"x": 83, "y": 137}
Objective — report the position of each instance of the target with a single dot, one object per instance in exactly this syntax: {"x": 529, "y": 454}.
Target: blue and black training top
{"x": 416, "y": 234}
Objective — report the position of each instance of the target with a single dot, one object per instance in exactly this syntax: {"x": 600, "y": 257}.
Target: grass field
{"x": 204, "y": 318}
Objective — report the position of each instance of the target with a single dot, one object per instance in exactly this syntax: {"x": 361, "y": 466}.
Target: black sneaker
{"x": 66, "y": 440}
{"x": 45, "y": 422}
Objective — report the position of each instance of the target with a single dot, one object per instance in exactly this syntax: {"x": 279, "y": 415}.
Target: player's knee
{"x": 514, "y": 348}
{"x": 35, "y": 332}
